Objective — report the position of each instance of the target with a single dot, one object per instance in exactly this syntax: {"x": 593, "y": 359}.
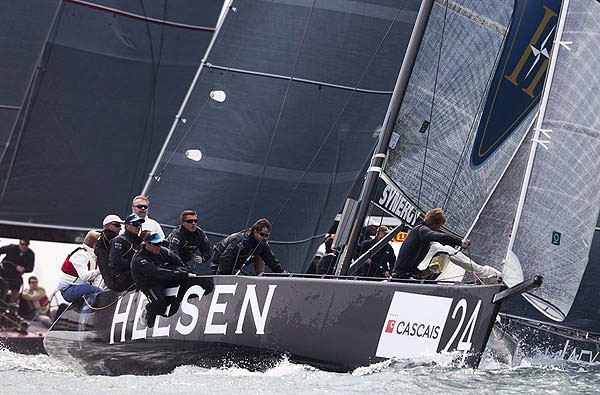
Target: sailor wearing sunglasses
{"x": 190, "y": 243}
{"x": 244, "y": 247}
{"x": 140, "y": 207}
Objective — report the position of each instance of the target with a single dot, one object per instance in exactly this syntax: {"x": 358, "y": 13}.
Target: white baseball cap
{"x": 111, "y": 218}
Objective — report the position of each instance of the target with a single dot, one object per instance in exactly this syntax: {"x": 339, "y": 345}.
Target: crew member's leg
{"x": 75, "y": 292}
{"x": 259, "y": 265}
{"x": 157, "y": 304}
{"x": 15, "y": 288}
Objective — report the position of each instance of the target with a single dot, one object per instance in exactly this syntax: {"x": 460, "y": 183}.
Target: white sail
{"x": 433, "y": 166}
{"x": 560, "y": 200}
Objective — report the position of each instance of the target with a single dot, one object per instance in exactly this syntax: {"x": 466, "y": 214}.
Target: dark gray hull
{"x": 534, "y": 337}
{"x": 334, "y": 324}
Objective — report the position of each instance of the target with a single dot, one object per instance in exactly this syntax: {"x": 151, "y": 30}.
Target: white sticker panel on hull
{"x": 413, "y": 326}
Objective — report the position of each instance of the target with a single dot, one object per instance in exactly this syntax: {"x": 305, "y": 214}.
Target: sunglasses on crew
{"x": 142, "y": 206}
{"x": 24, "y": 244}
{"x": 118, "y": 225}
{"x": 191, "y": 221}
{"x": 136, "y": 224}
{"x": 264, "y": 235}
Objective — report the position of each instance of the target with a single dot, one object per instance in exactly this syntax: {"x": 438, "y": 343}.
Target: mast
{"x": 152, "y": 175}
{"x": 538, "y": 126}
{"x": 387, "y": 129}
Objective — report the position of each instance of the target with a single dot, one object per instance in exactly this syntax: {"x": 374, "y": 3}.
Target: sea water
{"x": 41, "y": 374}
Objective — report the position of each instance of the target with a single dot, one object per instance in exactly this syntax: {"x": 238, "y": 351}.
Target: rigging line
{"x": 138, "y": 17}
{"x": 314, "y": 158}
{"x": 193, "y": 122}
{"x": 472, "y": 129}
{"x": 32, "y": 92}
{"x": 283, "y": 102}
{"x": 435, "y": 82}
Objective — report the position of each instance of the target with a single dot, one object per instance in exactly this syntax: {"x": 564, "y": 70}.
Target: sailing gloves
{"x": 197, "y": 260}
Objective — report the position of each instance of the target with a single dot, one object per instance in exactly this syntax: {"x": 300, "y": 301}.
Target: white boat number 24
{"x": 464, "y": 343}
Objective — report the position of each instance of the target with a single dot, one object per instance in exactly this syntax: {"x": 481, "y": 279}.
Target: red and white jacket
{"x": 80, "y": 267}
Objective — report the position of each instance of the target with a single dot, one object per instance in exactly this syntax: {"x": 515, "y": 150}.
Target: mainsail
{"x": 560, "y": 200}
{"x": 96, "y": 84}
{"x": 23, "y": 33}
{"x": 283, "y": 118}
{"x": 459, "y": 84}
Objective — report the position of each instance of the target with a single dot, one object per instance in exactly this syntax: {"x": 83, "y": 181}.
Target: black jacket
{"x": 122, "y": 249}
{"x": 416, "y": 245}
{"x": 102, "y": 250}
{"x": 14, "y": 257}
{"x": 327, "y": 263}
{"x": 149, "y": 270}
{"x": 241, "y": 245}
{"x": 381, "y": 262}
{"x": 183, "y": 243}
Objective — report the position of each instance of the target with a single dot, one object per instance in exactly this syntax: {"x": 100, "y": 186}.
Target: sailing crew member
{"x": 122, "y": 249}
{"x": 244, "y": 247}
{"x": 112, "y": 226}
{"x": 140, "y": 206}
{"x": 79, "y": 271}
{"x": 151, "y": 276}
{"x": 187, "y": 239}
{"x": 329, "y": 259}
{"x": 419, "y": 239}
{"x": 382, "y": 262}
{"x": 19, "y": 259}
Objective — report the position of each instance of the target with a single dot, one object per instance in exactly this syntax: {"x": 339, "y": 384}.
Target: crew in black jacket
{"x": 244, "y": 247}
{"x": 112, "y": 226}
{"x": 382, "y": 262}
{"x": 187, "y": 238}
{"x": 151, "y": 276}
{"x": 19, "y": 259}
{"x": 419, "y": 239}
{"x": 122, "y": 249}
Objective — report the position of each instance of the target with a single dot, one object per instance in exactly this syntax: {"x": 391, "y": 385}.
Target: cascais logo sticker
{"x": 413, "y": 325}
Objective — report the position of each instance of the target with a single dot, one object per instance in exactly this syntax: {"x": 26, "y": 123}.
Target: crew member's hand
{"x": 20, "y": 268}
{"x": 368, "y": 261}
{"x": 190, "y": 274}
{"x": 465, "y": 243}
{"x": 198, "y": 260}
{"x": 387, "y": 274}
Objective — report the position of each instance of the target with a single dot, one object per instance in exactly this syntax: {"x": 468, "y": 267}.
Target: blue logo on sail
{"x": 517, "y": 84}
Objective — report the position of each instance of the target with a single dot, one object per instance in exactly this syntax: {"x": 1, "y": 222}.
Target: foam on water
{"x": 26, "y": 374}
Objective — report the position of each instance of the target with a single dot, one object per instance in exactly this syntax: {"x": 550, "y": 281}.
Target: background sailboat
{"x": 89, "y": 90}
